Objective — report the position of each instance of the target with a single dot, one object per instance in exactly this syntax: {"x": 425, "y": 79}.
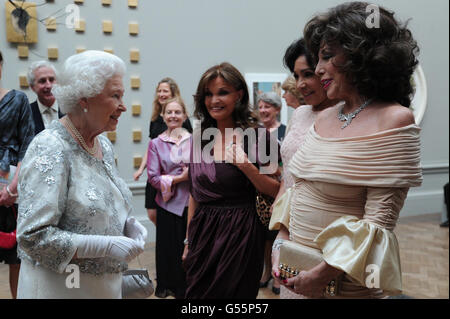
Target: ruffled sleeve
{"x": 280, "y": 212}
{"x": 367, "y": 249}
{"x": 385, "y": 165}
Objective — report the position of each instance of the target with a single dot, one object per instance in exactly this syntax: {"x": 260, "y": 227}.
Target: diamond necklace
{"x": 91, "y": 150}
{"x": 347, "y": 118}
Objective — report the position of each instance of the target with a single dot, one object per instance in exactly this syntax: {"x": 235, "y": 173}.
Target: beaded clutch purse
{"x": 295, "y": 258}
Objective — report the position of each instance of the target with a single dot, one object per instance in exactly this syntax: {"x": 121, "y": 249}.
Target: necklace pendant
{"x": 347, "y": 123}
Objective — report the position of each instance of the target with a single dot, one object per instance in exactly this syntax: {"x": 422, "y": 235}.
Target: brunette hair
{"x": 380, "y": 60}
{"x": 174, "y": 90}
{"x": 243, "y": 115}
{"x": 295, "y": 50}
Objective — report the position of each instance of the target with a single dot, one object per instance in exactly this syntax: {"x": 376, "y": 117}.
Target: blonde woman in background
{"x": 291, "y": 94}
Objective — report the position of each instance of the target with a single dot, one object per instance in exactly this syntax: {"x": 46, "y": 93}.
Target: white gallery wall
{"x": 181, "y": 39}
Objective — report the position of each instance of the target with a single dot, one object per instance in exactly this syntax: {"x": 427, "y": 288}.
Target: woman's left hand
{"x": 306, "y": 283}
{"x": 312, "y": 283}
{"x": 6, "y": 199}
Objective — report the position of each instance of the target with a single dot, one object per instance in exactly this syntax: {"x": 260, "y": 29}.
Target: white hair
{"x": 37, "y": 65}
{"x": 270, "y": 97}
{"x": 84, "y": 75}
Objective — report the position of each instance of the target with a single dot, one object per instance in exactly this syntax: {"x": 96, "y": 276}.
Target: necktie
{"x": 48, "y": 117}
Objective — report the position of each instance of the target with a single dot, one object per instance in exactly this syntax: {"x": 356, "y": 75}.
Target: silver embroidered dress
{"x": 64, "y": 191}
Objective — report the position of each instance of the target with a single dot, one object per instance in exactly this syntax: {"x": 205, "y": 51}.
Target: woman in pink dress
{"x": 299, "y": 61}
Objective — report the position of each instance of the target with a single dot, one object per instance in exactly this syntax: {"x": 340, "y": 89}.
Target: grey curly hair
{"x": 272, "y": 98}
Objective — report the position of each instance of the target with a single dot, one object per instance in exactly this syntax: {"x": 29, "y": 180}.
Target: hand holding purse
{"x": 295, "y": 258}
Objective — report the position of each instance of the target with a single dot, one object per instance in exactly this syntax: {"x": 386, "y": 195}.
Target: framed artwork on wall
{"x": 266, "y": 82}
{"x": 21, "y": 22}
{"x": 419, "y": 101}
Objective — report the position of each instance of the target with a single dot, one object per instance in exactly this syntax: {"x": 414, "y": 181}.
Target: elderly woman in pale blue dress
{"x": 75, "y": 229}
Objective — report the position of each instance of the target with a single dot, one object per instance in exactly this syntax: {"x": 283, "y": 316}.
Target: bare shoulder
{"x": 396, "y": 116}
{"x": 327, "y": 113}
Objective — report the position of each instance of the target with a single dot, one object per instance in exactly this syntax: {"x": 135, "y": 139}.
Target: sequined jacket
{"x": 64, "y": 191}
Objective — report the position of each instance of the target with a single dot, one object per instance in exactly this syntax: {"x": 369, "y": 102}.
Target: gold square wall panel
{"x": 137, "y": 160}
{"x": 23, "y": 81}
{"x": 107, "y": 26}
{"x": 136, "y": 109}
{"x": 109, "y": 50}
{"x": 80, "y": 49}
{"x": 22, "y": 51}
{"x": 106, "y": 2}
{"x": 133, "y": 28}
{"x": 135, "y": 82}
{"x": 80, "y": 25}
{"x": 53, "y": 53}
{"x": 137, "y": 135}
{"x": 79, "y": 1}
{"x": 135, "y": 55}
{"x": 50, "y": 23}
{"x": 132, "y": 3}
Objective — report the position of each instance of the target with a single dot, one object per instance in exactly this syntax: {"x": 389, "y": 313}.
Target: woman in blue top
{"x": 16, "y": 132}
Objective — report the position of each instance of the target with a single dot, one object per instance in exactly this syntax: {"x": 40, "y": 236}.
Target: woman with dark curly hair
{"x": 225, "y": 244}
{"x": 359, "y": 159}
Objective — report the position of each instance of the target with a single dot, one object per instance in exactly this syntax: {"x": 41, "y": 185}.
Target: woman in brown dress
{"x": 225, "y": 243}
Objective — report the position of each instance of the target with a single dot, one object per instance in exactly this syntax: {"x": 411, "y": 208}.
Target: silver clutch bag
{"x": 136, "y": 284}
{"x": 295, "y": 258}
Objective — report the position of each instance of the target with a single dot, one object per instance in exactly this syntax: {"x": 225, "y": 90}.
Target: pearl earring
{"x": 85, "y": 110}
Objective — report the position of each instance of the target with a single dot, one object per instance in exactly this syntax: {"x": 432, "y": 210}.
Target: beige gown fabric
{"x": 302, "y": 119}
{"x": 346, "y": 200}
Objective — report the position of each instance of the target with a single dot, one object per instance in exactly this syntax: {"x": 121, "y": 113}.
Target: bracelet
{"x": 186, "y": 241}
{"x": 11, "y": 193}
{"x": 277, "y": 243}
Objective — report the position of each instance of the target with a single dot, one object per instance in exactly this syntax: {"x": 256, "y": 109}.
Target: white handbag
{"x": 295, "y": 258}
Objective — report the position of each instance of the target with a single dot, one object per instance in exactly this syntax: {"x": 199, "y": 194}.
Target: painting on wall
{"x": 259, "y": 83}
{"x": 419, "y": 101}
{"x": 21, "y": 22}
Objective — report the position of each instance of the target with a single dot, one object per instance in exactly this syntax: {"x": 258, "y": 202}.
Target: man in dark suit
{"x": 41, "y": 77}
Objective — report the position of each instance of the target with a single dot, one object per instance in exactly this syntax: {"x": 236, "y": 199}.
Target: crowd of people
{"x": 338, "y": 173}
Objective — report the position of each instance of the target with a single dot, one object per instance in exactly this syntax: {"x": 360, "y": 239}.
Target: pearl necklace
{"x": 347, "y": 118}
{"x": 91, "y": 150}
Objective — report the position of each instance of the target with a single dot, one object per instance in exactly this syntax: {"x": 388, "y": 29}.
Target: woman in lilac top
{"x": 168, "y": 155}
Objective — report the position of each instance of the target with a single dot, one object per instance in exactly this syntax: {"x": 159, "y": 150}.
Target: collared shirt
{"x": 166, "y": 159}
{"x": 16, "y": 128}
{"x": 49, "y": 114}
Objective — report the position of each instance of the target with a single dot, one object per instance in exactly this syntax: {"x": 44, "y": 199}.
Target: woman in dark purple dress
{"x": 224, "y": 248}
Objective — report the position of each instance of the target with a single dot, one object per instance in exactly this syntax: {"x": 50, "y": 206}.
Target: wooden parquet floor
{"x": 423, "y": 252}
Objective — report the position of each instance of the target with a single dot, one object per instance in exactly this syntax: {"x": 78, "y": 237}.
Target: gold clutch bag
{"x": 295, "y": 258}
